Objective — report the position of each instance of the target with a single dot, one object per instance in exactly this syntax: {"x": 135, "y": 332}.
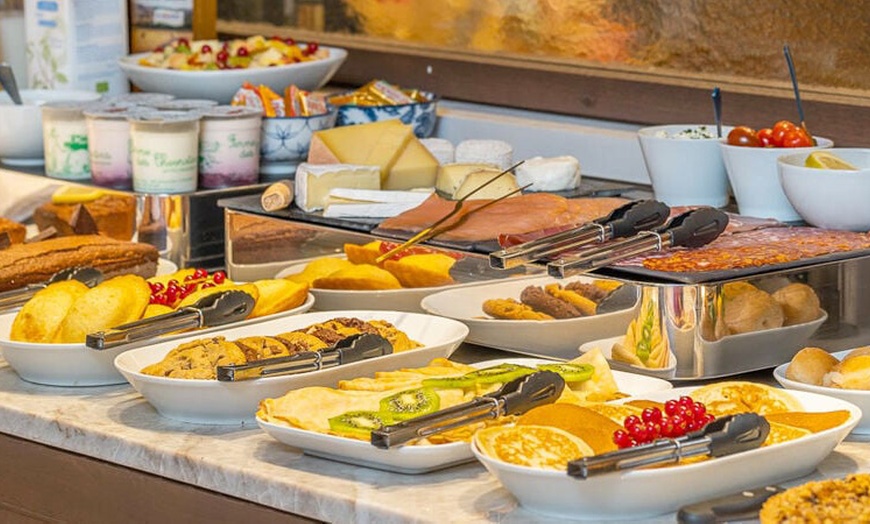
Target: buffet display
{"x": 407, "y": 246}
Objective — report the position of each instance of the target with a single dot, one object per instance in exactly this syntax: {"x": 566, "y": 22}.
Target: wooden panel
{"x": 41, "y": 484}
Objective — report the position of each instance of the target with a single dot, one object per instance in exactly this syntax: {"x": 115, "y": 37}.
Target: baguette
{"x": 23, "y": 264}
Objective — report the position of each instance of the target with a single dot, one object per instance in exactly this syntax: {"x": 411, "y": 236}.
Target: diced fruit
{"x": 826, "y": 160}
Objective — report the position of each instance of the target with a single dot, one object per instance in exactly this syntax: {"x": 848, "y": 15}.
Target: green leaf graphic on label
{"x": 77, "y": 143}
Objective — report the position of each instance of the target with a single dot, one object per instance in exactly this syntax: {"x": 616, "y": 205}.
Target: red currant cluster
{"x": 680, "y": 417}
{"x": 174, "y": 291}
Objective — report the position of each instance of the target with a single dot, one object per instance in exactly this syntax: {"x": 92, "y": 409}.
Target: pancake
{"x": 731, "y": 397}
{"x": 541, "y": 447}
{"x": 593, "y": 428}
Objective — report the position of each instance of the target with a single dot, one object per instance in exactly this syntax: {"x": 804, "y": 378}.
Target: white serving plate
{"x": 77, "y": 364}
{"x": 646, "y": 493}
{"x": 213, "y": 402}
{"x": 419, "y": 459}
{"x": 221, "y": 85}
{"x": 860, "y": 398}
{"x": 555, "y": 339}
{"x": 405, "y": 299}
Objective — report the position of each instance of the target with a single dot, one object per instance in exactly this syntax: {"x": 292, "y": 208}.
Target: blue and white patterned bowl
{"x": 285, "y": 141}
{"x": 421, "y": 115}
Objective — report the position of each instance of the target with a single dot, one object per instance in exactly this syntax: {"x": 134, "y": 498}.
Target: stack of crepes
{"x": 312, "y": 408}
{"x": 511, "y": 216}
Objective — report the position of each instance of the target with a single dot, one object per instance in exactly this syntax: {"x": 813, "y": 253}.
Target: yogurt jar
{"x": 109, "y": 143}
{"x": 65, "y": 140}
{"x": 229, "y": 146}
{"x": 164, "y": 146}
{"x": 183, "y": 104}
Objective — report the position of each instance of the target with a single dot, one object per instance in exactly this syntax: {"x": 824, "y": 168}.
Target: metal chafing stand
{"x": 689, "y": 312}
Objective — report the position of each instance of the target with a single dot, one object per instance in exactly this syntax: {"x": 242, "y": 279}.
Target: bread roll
{"x": 799, "y": 303}
{"x": 852, "y": 373}
{"x": 809, "y": 365}
{"x": 752, "y": 310}
{"x": 857, "y": 352}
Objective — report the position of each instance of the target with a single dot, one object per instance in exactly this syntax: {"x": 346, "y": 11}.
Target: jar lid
{"x": 68, "y": 107}
{"x": 184, "y": 104}
{"x": 230, "y": 112}
{"x": 142, "y": 98}
{"x": 114, "y": 110}
{"x": 163, "y": 117}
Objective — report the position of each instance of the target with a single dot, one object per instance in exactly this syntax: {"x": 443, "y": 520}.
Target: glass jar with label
{"x": 229, "y": 146}
{"x": 109, "y": 143}
{"x": 65, "y": 140}
{"x": 164, "y": 149}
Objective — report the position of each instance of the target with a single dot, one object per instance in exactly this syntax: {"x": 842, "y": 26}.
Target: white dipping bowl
{"x": 829, "y": 198}
{"x": 21, "y": 126}
{"x": 214, "y": 402}
{"x": 755, "y": 181}
{"x": 685, "y": 171}
{"x": 222, "y": 84}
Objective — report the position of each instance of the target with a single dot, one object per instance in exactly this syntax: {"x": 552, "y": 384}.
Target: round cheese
{"x": 561, "y": 173}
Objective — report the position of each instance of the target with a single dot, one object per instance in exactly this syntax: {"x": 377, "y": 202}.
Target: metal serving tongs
{"x": 211, "y": 310}
{"x": 88, "y": 276}
{"x": 624, "y": 221}
{"x": 723, "y": 436}
{"x": 514, "y": 398}
{"x": 693, "y": 228}
{"x": 354, "y": 348}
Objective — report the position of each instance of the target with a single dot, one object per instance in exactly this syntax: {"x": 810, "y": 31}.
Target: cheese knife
{"x": 514, "y": 398}
{"x": 88, "y": 276}
{"x": 624, "y": 221}
{"x": 723, "y": 436}
{"x": 354, "y": 348}
{"x": 694, "y": 228}
{"x": 213, "y": 310}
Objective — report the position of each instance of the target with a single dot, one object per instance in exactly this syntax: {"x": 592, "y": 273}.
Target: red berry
{"x": 654, "y": 430}
{"x": 621, "y": 439}
{"x": 205, "y": 49}
{"x": 188, "y": 289}
{"x": 207, "y": 285}
{"x": 188, "y": 278}
{"x": 222, "y": 57}
{"x": 686, "y": 401}
{"x": 289, "y": 41}
{"x": 680, "y": 424}
{"x": 641, "y": 434}
{"x": 219, "y": 277}
{"x": 158, "y": 49}
{"x": 671, "y": 407}
{"x": 652, "y": 415}
{"x": 242, "y": 51}
{"x": 631, "y": 421}
{"x": 200, "y": 273}
{"x": 156, "y": 287}
{"x": 182, "y": 42}
{"x": 311, "y": 48}
{"x": 668, "y": 429}
{"x": 699, "y": 410}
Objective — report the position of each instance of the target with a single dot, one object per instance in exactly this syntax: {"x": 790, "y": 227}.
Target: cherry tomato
{"x": 780, "y": 129}
{"x": 743, "y": 136}
{"x": 766, "y": 137}
{"x": 797, "y": 138}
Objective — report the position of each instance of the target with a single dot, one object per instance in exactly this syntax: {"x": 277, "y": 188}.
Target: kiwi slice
{"x": 496, "y": 374}
{"x": 410, "y": 403}
{"x": 572, "y": 373}
{"x": 357, "y": 424}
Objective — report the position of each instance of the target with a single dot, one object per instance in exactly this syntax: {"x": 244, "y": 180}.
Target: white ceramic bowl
{"x": 284, "y": 142}
{"x": 755, "y": 180}
{"x": 646, "y": 493}
{"x": 829, "y": 198}
{"x": 860, "y": 398}
{"x": 221, "y": 85}
{"x": 213, "y": 402}
{"x": 685, "y": 171}
{"x": 21, "y": 126}
{"x": 78, "y": 365}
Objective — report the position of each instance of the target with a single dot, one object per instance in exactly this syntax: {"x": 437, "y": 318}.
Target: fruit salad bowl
{"x": 828, "y": 197}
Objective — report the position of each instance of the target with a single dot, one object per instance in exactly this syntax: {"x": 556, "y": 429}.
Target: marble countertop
{"x": 115, "y": 424}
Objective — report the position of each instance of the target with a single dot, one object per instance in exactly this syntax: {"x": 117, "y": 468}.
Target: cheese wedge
{"x": 451, "y": 176}
{"x": 313, "y": 182}
{"x": 378, "y": 144}
{"x": 414, "y": 168}
{"x": 501, "y": 187}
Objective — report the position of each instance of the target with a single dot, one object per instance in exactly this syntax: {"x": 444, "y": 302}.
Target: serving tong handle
{"x": 211, "y": 310}
{"x": 626, "y": 220}
{"x": 693, "y": 228}
{"x": 354, "y": 348}
{"x": 88, "y": 276}
{"x": 513, "y": 398}
{"x": 723, "y": 436}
